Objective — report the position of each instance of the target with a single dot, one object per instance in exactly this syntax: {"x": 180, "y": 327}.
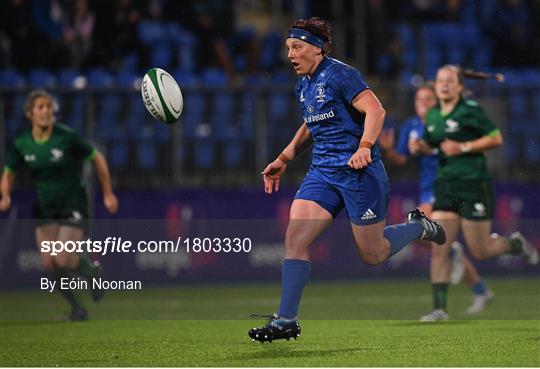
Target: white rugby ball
{"x": 162, "y": 96}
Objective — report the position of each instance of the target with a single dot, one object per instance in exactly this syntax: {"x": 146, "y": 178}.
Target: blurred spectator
{"x": 390, "y": 61}
{"x": 513, "y": 35}
{"x": 79, "y": 32}
{"x": 211, "y": 21}
{"x": 115, "y": 33}
{"x": 51, "y": 51}
{"x": 17, "y": 34}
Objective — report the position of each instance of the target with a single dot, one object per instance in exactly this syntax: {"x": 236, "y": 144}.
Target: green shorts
{"x": 71, "y": 211}
{"x": 472, "y": 200}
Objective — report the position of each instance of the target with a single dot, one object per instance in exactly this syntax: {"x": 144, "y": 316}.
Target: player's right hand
{"x": 5, "y": 203}
{"x": 386, "y": 139}
{"x": 272, "y": 174}
{"x": 414, "y": 146}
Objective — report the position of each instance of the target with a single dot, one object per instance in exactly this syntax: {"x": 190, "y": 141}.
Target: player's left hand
{"x": 111, "y": 203}
{"x": 360, "y": 159}
{"x": 450, "y": 148}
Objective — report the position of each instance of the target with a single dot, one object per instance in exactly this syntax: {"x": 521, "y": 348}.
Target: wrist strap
{"x": 465, "y": 147}
{"x": 284, "y": 158}
{"x": 366, "y": 144}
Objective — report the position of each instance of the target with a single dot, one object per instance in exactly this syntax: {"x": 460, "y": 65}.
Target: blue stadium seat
{"x": 174, "y": 32}
{"x": 517, "y": 105}
{"x": 147, "y": 154}
{"x": 100, "y": 78}
{"x": 41, "y": 78}
{"x": 214, "y": 77}
{"x": 185, "y": 78}
{"x": 14, "y": 115}
{"x": 482, "y": 55}
{"x": 511, "y": 147}
{"x": 67, "y": 77}
{"x": 247, "y": 116}
{"x": 232, "y": 153}
{"x": 161, "y": 56}
{"x": 194, "y": 102}
{"x": 531, "y": 148}
{"x": 130, "y": 62}
{"x": 185, "y": 51}
{"x": 161, "y": 132}
{"x": 271, "y": 46}
{"x": 455, "y": 54}
{"x": 11, "y": 78}
{"x": 433, "y": 60}
{"x": 204, "y": 153}
{"x": 222, "y": 103}
{"x": 127, "y": 78}
{"x": 117, "y": 153}
{"x": 193, "y": 114}
{"x": 151, "y": 32}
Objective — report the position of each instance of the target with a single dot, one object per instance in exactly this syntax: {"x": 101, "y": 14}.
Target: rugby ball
{"x": 162, "y": 96}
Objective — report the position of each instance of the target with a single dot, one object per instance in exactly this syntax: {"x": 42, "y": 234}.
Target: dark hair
{"x": 319, "y": 27}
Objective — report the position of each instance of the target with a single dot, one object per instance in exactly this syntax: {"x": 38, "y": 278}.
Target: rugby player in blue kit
{"x": 342, "y": 119}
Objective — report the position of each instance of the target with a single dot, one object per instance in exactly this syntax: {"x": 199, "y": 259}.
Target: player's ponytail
{"x": 472, "y": 74}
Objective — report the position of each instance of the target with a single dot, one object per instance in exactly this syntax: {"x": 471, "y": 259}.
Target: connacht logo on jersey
{"x": 451, "y": 126}
{"x": 430, "y": 128}
{"x": 57, "y": 154}
{"x": 320, "y": 97}
{"x": 30, "y": 158}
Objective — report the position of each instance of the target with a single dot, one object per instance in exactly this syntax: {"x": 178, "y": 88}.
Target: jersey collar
{"x": 324, "y": 62}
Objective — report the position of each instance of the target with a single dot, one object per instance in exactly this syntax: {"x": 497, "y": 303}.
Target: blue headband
{"x": 306, "y": 36}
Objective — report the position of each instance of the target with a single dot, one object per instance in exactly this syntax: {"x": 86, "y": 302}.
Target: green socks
{"x": 440, "y": 293}
{"x": 86, "y": 268}
{"x": 68, "y": 294}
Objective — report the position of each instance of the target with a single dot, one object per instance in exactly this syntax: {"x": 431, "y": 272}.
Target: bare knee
{"x": 295, "y": 248}
{"x": 64, "y": 260}
{"x": 373, "y": 257}
{"x": 48, "y": 264}
{"x": 479, "y": 253}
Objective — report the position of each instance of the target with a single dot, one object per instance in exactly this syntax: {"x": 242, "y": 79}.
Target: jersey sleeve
{"x": 403, "y": 140}
{"x": 348, "y": 83}
{"x": 14, "y": 159}
{"x": 483, "y": 123}
{"x": 81, "y": 149}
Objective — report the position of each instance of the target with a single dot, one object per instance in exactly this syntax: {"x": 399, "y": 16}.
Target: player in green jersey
{"x": 461, "y": 130}
{"x": 425, "y": 99}
{"x": 55, "y": 155}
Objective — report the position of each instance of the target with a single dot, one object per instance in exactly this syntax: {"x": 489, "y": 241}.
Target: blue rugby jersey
{"x": 335, "y": 125}
{"x": 429, "y": 164}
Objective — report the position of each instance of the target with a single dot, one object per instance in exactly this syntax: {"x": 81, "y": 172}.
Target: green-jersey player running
{"x": 55, "y": 154}
{"x": 463, "y": 190}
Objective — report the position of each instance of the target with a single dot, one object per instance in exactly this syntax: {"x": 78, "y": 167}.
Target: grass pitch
{"x": 344, "y": 324}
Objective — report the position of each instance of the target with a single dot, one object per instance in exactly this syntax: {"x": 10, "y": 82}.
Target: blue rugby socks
{"x": 479, "y": 288}
{"x": 294, "y": 276}
{"x": 399, "y": 235}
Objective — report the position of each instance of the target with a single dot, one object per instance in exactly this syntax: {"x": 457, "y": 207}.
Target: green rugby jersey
{"x": 56, "y": 164}
{"x": 466, "y": 122}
